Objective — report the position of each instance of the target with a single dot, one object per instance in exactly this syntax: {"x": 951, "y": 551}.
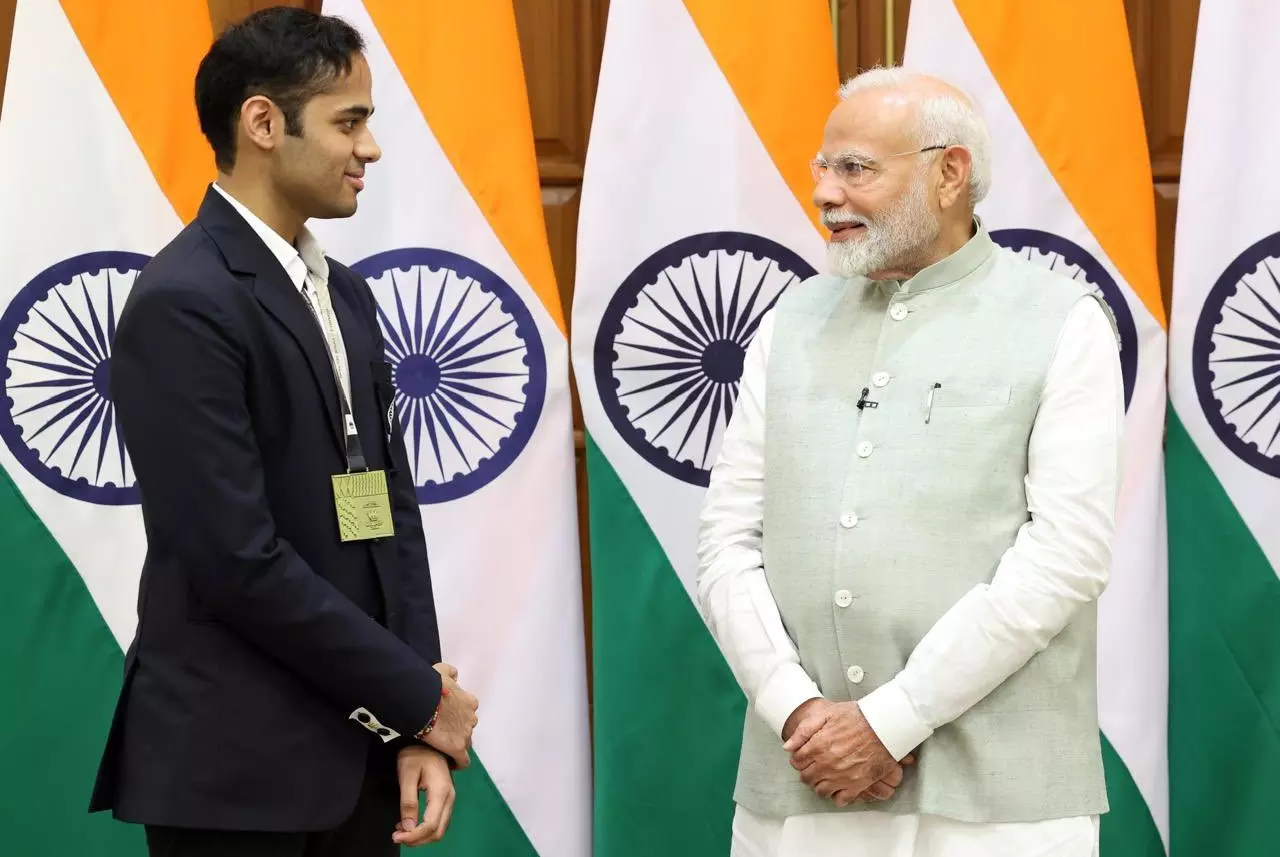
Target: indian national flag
{"x": 1224, "y": 446}
{"x": 695, "y": 217}
{"x": 450, "y": 237}
{"x": 1072, "y": 191}
{"x": 105, "y": 164}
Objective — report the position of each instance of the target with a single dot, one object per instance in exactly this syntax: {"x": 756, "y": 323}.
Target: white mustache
{"x": 832, "y": 219}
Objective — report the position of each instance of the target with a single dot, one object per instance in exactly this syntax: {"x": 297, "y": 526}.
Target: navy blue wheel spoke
{"x": 1271, "y": 309}
{"x": 433, "y": 324}
{"x": 463, "y": 402}
{"x": 446, "y": 329}
{"x": 705, "y": 394}
{"x": 665, "y": 381}
{"x": 92, "y": 348}
{"x": 675, "y": 394}
{"x": 418, "y": 333}
{"x": 95, "y": 417}
{"x": 475, "y": 391}
{"x": 391, "y": 338}
{"x": 79, "y": 403}
{"x": 108, "y": 423}
{"x": 665, "y": 334}
{"x": 111, "y": 318}
{"x": 56, "y": 400}
{"x": 55, "y": 367}
{"x": 689, "y": 333}
{"x": 65, "y": 355}
{"x": 717, "y": 403}
{"x": 461, "y": 420}
{"x": 1261, "y": 325}
{"x": 103, "y": 339}
{"x": 694, "y": 320}
{"x": 1261, "y": 391}
{"x": 54, "y": 382}
{"x": 664, "y": 352}
{"x": 657, "y": 367}
{"x": 81, "y": 415}
{"x": 475, "y": 360}
{"x": 1275, "y": 400}
{"x": 403, "y": 327}
{"x": 1249, "y": 358}
{"x": 428, "y": 418}
{"x": 1252, "y": 376}
{"x": 448, "y": 430}
{"x": 76, "y": 344}
{"x": 731, "y": 319}
{"x": 1261, "y": 343}
{"x": 446, "y": 351}
{"x": 476, "y": 342}
{"x": 749, "y": 319}
{"x": 696, "y": 388}
{"x": 409, "y": 408}
{"x": 754, "y": 324}
{"x": 483, "y": 376}
{"x": 720, "y": 317}
{"x": 707, "y": 318}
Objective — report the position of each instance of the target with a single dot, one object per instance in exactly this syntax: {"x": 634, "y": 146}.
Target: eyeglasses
{"x": 854, "y": 170}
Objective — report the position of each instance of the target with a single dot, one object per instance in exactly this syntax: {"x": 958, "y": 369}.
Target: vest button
{"x": 855, "y": 674}
{"x": 864, "y": 449}
{"x": 844, "y": 598}
{"x": 849, "y": 521}
{"x": 898, "y": 312}
{"x": 880, "y": 379}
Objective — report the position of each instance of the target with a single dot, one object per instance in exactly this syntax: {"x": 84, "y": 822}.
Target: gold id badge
{"x": 363, "y": 506}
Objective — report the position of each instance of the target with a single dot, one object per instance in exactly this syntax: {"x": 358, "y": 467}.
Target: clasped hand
{"x": 839, "y": 755}
{"x": 455, "y": 720}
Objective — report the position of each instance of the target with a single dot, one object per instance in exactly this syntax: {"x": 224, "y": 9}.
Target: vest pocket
{"x": 971, "y": 396}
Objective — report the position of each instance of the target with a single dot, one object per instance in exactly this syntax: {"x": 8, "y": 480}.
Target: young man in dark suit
{"x": 284, "y": 693}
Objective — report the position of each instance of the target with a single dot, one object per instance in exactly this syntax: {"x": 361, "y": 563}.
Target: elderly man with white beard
{"x": 901, "y": 551}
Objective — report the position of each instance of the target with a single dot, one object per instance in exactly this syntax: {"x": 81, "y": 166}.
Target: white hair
{"x": 941, "y": 120}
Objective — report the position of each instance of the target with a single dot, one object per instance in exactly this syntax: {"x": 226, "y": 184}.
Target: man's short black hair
{"x": 287, "y": 54}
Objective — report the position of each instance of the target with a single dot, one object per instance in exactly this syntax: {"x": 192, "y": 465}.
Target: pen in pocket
{"x": 929, "y": 407}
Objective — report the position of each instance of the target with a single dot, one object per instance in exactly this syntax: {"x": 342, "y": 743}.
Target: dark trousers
{"x": 366, "y": 833}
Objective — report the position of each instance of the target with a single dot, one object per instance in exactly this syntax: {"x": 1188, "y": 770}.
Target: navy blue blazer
{"x": 259, "y": 631}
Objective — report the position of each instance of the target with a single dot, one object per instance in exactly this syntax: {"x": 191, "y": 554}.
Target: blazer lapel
{"x": 246, "y": 254}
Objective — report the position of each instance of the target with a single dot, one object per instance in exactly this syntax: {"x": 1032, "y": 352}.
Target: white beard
{"x": 894, "y": 239}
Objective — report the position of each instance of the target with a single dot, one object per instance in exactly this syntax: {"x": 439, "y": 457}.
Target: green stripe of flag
{"x": 61, "y": 670}
{"x": 1128, "y": 829}
{"x": 668, "y": 712}
{"x": 1224, "y": 660}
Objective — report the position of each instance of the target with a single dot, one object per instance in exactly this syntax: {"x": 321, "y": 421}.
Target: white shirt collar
{"x": 306, "y": 257}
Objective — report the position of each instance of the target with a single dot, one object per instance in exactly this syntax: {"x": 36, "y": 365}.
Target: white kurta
{"x": 995, "y": 628}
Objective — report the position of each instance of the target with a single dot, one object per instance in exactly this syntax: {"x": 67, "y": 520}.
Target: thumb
{"x": 408, "y": 797}
{"x": 806, "y": 730}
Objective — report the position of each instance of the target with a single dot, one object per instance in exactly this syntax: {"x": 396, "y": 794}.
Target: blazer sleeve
{"x": 178, "y": 378}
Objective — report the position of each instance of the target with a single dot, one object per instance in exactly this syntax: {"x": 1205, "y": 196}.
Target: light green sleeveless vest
{"x": 908, "y": 514}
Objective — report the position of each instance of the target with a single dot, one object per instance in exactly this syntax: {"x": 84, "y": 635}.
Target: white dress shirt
{"x": 1058, "y": 561}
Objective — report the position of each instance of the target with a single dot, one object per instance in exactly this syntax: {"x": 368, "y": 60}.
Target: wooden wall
{"x": 561, "y": 41}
